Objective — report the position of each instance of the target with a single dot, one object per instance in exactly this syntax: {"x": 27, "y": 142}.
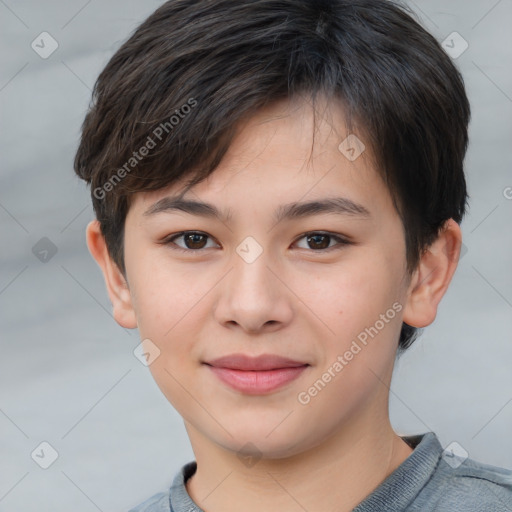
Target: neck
{"x": 335, "y": 475}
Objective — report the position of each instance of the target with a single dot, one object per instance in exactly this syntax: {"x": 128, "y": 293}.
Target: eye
{"x": 320, "y": 241}
{"x": 193, "y": 241}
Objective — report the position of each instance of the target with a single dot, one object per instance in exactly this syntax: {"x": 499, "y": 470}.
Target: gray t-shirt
{"x": 429, "y": 480}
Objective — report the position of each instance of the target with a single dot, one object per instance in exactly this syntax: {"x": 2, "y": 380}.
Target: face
{"x": 323, "y": 285}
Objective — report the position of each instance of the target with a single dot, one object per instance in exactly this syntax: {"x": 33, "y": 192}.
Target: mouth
{"x": 263, "y": 362}
{"x": 256, "y": 375}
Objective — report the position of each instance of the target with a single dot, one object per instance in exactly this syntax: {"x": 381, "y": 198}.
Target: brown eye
{"x": 195, "y": 241}
{"x": 319, "y": 241}
{"x": 322, "y": 241}
{"x": 192, "y": 241}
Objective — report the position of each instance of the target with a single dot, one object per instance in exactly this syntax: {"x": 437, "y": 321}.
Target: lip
{"x": 257, "y": 382}
{"x": 259, "y": 363}
{"x": 256, "y": 375}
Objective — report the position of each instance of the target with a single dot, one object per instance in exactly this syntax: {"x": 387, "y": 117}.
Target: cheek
{"x": 347, "y": 290}
{"x": 165, "y": 304}
{"x": 172, "y": 310}
{"x": 163, "y": 291}
{"x": 351, "y": 299}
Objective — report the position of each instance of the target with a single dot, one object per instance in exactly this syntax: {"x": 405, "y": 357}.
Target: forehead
{"x": 285, "y": 153}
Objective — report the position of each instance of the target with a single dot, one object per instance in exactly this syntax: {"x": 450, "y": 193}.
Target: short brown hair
{"x": 194, "y": 70}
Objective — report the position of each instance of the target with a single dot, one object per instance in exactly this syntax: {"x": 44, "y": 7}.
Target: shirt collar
{"x": 402, "y": 486}
{"x": 397, "y": 491}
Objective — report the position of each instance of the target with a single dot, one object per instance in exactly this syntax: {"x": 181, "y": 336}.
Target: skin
{"x": 296, "y": 299}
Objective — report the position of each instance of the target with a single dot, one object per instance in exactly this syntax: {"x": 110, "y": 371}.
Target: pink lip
{"x": 256, "y": 375}
{"x": 262, "y": 362}
{"x": 257, "y": 382}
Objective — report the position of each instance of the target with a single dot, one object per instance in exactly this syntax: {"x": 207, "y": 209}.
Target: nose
{"x": 253, "y": 296}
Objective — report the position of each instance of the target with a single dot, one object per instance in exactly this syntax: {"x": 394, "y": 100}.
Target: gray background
{"x": 68, "y": 373}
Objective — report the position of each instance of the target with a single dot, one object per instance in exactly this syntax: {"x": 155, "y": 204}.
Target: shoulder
{"x": 471, "y": 486}
{"x": 157, "y": 503}
{"x": 161, "y": 502}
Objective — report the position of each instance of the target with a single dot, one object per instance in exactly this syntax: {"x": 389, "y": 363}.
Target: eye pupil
{"x": 315, "y": 241}
{"x": 193, "y": 238}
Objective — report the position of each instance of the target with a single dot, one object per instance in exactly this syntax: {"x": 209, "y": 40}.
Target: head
{"x": 252, "y": 106}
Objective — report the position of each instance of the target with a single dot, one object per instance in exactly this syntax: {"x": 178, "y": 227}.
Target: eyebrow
{"x": 296, "y": 210}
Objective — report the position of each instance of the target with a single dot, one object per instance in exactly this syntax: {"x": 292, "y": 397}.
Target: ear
{"x": 117, "y": 285}
{"x": 433, "y": 275}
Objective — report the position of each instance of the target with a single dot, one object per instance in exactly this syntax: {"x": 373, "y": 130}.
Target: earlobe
{"x": 117, "y": 286}
{"x": 433, "y": 276}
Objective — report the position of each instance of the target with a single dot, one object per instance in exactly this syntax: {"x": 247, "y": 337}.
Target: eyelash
{"x": 169, "y": 240}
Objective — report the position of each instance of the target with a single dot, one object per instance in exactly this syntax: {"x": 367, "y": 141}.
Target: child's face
{"x": 296, "y": 299}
